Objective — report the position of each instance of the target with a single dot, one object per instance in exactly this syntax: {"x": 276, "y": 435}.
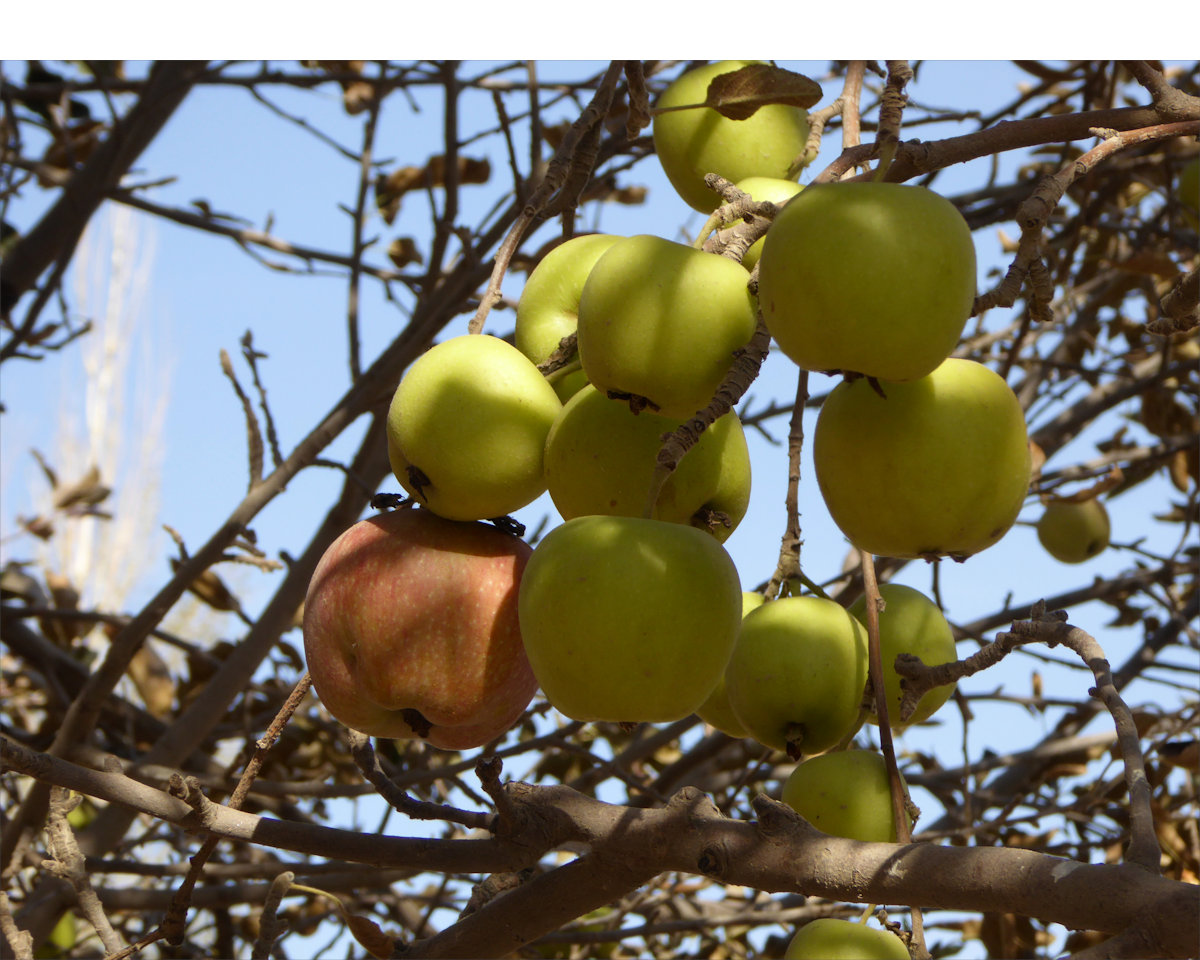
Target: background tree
{"x": 224, "y": 813}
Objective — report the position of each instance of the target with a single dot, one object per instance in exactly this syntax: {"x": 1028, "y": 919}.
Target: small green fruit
{"x": 600, "y": 458}
{"x": 628, "y": 620}
{"x": 939, "y": 466}
{"x": 832, "y": 939}
{"x": 1074, "y": 531}
{"x": 870, "y": 278}
{"x": 910, "y": 623}
{"x": 796, "y": 677}
{"x": 61, "y": 940}
{"x": 661, "y": 321}
{"x": 844, "y": 794}
{"x": 691, "y": 143}
{"x": 467, "y": 428}
{"x": 549, "y": 306}
{"x": 716, "y": 710}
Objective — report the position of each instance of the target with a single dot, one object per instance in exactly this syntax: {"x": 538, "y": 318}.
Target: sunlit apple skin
{"x": 870, "y": 278}
{"x": 471, "y": 416}
{"x": 797, "y": 674}
{"x": 1074, "y": 531}
{"x": 910, "y": 623}
{"x": 407, "y": 611}
{"x": 627, "y": 619}
{"x": 661, "y": 320}
{"x": 548, "y": 309}
{"x": 716, "y": 711}
{"x": 770, "y": 189}
{"x": 830, "y": 938}
{"x": 691, "y": 143}
{"x": 844, "y": 794}
{"x": 938, "y": 467}
{"x": 600, "y": 457}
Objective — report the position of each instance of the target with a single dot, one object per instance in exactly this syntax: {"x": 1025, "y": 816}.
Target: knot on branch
{"x": 188, "y": 790}
{"x": 713, "y": 861}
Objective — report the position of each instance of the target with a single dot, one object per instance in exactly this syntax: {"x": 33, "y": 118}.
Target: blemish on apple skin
{"x": 419, "y": 480}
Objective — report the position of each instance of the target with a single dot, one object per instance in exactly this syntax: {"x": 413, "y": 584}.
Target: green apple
{"x": 844, "y": 794}
{"x": 660, "y": 320}
{"x": 62, "y": 939}
{"x": 939, "y": 466}
{"x": 411, "y": 629}
{"x": 600, "y": 457}
{"x": 870, "y": 278}
{"x": 627, "y": 619}
{"x": 467, "y": 428}
{"x": 796, "y": 677}
{"x": 716, "y": 711}
{"x": 829, "y": 938}
{"x": 770, "y": 189}
{"x": 549, "y": 305}
{"x": 910, "y": 623}
{"x": 1074, "y": 531}
{"x": 691, "y": 143}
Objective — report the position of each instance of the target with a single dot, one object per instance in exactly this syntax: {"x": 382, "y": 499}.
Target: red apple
{"x": 411, "y": 631}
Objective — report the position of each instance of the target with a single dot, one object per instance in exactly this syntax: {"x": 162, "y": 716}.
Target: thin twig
{"x": 368, "y": 762}
{"x": 788, "y": 564}
{"x": 561, "y": 168}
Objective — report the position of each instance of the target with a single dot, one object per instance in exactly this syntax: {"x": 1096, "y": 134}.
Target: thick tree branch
{"x": 779, "y": 852}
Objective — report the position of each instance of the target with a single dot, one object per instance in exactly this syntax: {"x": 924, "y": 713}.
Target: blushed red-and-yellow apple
{"x": 939, "y": 466}
{"x": 467, "y": 428}
{"x": 870, "y": 278}
{"x": 830, "y": 938}
{"x": 1073, "y": 531}
{"x": 549, "y": 305}
{"x": 600, "y": 458}
{"x": 796, "y": 677}
{"x": 411, "y": 629}
{"x": 844, "y": 794}
{"x": 909, "y": 623}
{"x": 660, "y": 320}
{"x": 691, "y": 143}
{"x": 627, "y": 619}
{"x": 716, "y": 710}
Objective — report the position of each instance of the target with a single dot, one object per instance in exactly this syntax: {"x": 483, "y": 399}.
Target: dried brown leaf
{"x": 391, "y": 188}
{"x": 1163, "y": 415}
{"x": 41, "y": 527}
{"x": 403, "y": 250}
{"x": 87, "y": 491}
{"x": 739, "y": 94}
{"x": 369, "y": 934}
{"x": 211, "y": 589}
{"x": 153, "y": 681}
{"x": 1180, "y": 470}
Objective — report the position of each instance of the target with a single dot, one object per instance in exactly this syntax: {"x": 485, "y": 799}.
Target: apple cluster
{"x": 429, "y": 622}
